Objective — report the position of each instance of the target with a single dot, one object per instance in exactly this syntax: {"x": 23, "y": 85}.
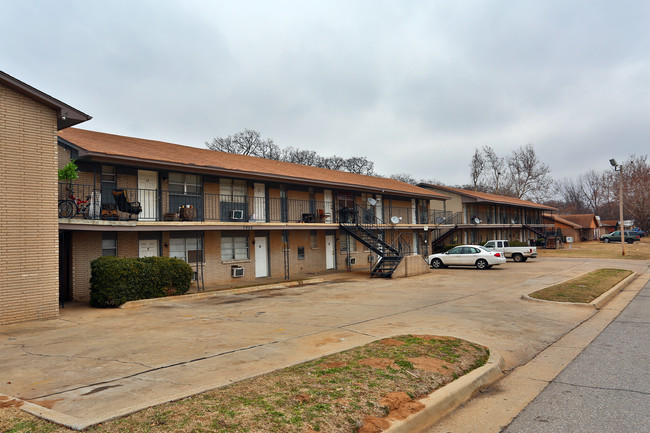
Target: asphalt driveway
{"x": 91, "y": 365}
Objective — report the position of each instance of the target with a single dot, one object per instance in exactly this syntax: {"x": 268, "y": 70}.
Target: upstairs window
{"x": 184, "y": 184}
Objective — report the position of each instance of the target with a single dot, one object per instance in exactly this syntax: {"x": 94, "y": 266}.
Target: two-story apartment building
{"x": 234, "y": 218}
{"x": 472, "y": 217}
{"x": 29, "y": 120}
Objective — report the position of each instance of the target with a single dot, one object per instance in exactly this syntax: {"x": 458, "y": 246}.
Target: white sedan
{"x": 467, "y": 255}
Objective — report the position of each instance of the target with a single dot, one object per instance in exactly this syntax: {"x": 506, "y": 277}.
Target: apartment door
{"x": 329, "y": 206}
{"x": 259, "y": 207}
{"x": 261, "y": 257}
{"x": 330, "y": 245}
{"x": 148, "y": 194}
{"x": 148, "y": 248}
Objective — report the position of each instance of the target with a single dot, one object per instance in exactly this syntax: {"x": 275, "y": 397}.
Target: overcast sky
{"x": 414, "y": 86}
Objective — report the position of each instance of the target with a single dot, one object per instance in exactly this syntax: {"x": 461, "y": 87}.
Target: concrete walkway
{"x": 92, "y": 365}
{"x": 606, "y": 388}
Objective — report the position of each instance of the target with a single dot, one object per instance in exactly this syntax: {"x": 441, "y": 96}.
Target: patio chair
{"x": 123, "y": 203}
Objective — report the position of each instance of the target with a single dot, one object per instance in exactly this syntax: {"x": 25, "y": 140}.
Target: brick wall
{"x": 28, "y": 208}
{"x": 86, "y": 247}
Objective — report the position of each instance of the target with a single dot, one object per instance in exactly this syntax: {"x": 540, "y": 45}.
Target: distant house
{"x": 580, "y": 227}
{"x": 474, "y": 217}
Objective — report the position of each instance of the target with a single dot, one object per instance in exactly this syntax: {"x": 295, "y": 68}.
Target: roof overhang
{"x": 66, "y": 115}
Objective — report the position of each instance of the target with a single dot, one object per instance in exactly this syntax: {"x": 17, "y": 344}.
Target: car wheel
{"x": 482, "y": 264}
{"x": 606, "y": 240}
{"x": 524, "y": 259}
{"x": 630, "y": 241}
{"x": 517, "y": 257}
{"x": 436, "y": 263}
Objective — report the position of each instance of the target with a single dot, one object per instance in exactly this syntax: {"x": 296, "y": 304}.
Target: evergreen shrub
{"x": 116, "y": 280}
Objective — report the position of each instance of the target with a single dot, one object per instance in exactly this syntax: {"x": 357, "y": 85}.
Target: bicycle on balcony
{"x": 72, "y": 206}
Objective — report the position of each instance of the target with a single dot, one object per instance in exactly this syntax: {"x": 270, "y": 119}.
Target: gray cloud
{"x": 414, "y": 86}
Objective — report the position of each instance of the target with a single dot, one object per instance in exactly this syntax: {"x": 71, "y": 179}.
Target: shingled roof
{"x": 484, "y": 197}
{"x": 100, "y": 146}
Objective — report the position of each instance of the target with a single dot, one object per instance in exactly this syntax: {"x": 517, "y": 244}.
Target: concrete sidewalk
{"x": 93, "y": 365}
{"x": 606, "y": 388}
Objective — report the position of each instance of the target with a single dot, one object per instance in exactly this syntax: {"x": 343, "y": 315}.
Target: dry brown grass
{"x": 600, "y": 250}
{"x": 338, "y": 393}
{"x": 583, "y": 289}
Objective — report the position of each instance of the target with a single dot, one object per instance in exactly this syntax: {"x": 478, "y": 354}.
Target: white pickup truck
{"x": 518, "y": 254}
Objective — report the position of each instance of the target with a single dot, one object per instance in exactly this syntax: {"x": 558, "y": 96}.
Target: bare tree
{"x": 571, "y": 195}
{"x": 593, "y": 188}
{"x": 404, "y": 177}
{"x": 476, "y": 168}
{"x": 636, "y": 189}
{"x": 496, "y": 166}
{"x": 359, "y": 165}
{"x": 248, "y": 142}
{"x": 528, "y": 177}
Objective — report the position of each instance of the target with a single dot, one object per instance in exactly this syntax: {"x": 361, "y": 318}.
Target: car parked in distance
{"x": 467, "y": 255}
{"x": 630, "y": 237}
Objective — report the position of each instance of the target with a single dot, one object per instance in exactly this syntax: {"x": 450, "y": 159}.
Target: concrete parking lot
{"x": 91, "y": 365}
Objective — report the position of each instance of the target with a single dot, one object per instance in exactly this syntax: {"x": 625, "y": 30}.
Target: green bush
{"x": 116, "y": 280}
{"x": 518, "y": 244}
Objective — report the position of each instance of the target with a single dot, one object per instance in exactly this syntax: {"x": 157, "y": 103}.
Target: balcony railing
{"x": 158, "y": 205}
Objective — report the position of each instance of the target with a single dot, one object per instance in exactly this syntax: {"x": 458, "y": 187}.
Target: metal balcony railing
{"x": 98, "y": 202}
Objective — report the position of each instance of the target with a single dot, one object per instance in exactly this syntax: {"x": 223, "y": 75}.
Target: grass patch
{"x": 331, "y": 394}
{"x": 583, "y": 289}
{"x": 600, "y": 250}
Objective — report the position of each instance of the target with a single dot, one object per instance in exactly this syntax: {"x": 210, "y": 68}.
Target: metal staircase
{"x": 371, "y": 235}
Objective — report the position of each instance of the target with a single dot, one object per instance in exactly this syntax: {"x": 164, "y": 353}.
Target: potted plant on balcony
{"x": 69, "y": 173}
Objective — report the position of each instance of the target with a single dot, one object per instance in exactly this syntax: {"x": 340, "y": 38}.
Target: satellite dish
{"x": 372, "y": 201}
{"x": 394, "y": 219}
{"x": 440, "y": 220}
{"x": 477, "y": 221}
{"x": 512, "y": 221}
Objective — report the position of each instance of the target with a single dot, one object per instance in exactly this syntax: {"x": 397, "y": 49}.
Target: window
{"x": 184, "y": 184}
{"x": 314, "y": 239}
{"x": 348, "y": 240}
{"x": 109, "y": 244}
{"x": 186, "y": 248}
{"x": 301, "y": 253}
{"x": 108, "y": 174}
{"x": 232, "y": 190}
{"x": 234, "y": 247}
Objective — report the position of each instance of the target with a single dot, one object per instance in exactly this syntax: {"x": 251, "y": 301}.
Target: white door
{"x": 148, "y": 248}
{"x": 329, "y": 251}
{"x": 259, "y": 207}
{"x": 148, "y": 194}
{"x": 329, "y": 208}
{"x": 261, "y": 257}
{"x": 378, "y": 210}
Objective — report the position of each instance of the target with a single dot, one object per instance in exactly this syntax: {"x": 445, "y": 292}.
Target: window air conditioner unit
{"x": 237, "y": 214}
{"x": 352, "y": 261}
{"x": 237, "y": 272}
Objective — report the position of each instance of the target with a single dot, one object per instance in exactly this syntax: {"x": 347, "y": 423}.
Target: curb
{"x": 597, "y": 303}
{"x": 211, "y": 294}
{"x": 450, "y": 396}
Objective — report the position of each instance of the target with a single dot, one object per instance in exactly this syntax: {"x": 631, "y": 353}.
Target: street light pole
{"x": 621, "y": 227}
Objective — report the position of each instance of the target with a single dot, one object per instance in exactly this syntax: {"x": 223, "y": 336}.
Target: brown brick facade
{"x": 28, "y": 208}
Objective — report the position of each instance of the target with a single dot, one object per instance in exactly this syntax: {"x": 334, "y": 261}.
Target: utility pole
{"x": 621, "y": 226}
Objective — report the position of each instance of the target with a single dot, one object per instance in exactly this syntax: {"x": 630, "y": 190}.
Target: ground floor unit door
{"x": 261, "y": 257}
{"x": 330, "y": 249}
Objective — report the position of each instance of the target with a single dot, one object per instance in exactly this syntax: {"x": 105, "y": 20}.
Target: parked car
{"x": 467, "y": 255}
{"x": 640, "y": 232}
{"x": 630, "y": 237}
{"x": 518, "y": 254}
